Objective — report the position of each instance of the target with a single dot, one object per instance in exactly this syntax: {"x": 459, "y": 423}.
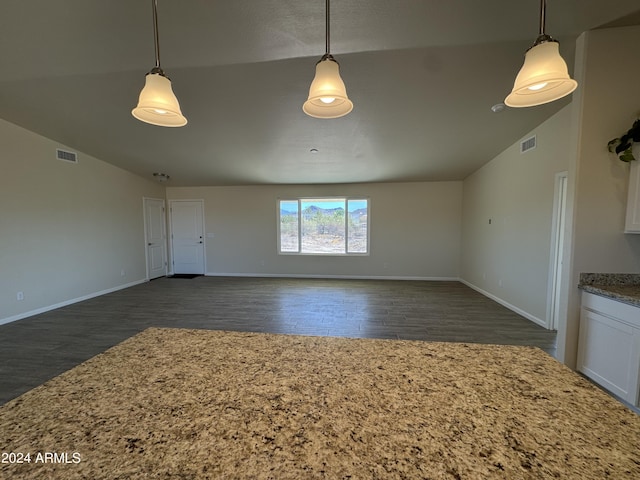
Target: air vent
{"x": 528, "y": 144}
{"x": 66, "y": 156}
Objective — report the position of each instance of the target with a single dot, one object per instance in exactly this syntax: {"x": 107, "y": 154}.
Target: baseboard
{"x": 506, "y": 304}
{"x": 346, "y": 277}
{"x": 48, "y": 308}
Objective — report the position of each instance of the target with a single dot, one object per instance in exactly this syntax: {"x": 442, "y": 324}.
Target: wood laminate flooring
{"x": 37, "y": 348}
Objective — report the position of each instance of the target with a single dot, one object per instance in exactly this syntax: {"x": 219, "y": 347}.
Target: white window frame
{"x": 346, "y": 227}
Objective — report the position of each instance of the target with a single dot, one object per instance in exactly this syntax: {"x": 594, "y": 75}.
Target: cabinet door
{"x": 632, "y": 222}
{"x": 609, "y": 354}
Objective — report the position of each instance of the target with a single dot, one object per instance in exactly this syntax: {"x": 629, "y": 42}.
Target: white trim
{"x": 164, "y": 234}
{"x": 48, "y": 308}
{"x": 349, "y": 277}
{"x": 502, "y": 302}
{"x": 557, "y": 249}
{"x": 146, "y": 245}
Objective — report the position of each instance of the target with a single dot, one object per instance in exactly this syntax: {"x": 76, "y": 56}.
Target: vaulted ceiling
{"x": 422, "y": 75}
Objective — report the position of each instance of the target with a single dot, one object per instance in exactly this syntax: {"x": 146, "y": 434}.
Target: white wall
{"x": 507, "y": 219}
{"x": 605, "y": 105}
{"x": 66, "y": 230}
{"x": 415, "y": 230}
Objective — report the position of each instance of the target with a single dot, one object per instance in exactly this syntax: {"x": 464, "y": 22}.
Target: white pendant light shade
{"x": 157, "y": 104}
{"x": 543, "y": 78}
{"x": 327, "y": 94}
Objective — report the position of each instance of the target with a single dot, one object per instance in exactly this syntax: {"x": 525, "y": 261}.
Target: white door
{"x": 187, "y": 236}
{"x": 155, "y": 228}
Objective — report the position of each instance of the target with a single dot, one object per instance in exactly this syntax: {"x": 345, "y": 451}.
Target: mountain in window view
{"x": 314, "y": 209}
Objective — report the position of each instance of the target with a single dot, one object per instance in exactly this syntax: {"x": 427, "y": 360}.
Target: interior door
{"x": 187, "y": 236}
{"x": 155, "y": 229}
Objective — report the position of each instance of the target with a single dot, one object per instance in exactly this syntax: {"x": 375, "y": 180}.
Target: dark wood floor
{"x": 36, "y": 349}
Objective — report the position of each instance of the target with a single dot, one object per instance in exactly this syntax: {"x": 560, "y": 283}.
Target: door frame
{"x": 204, "y": 242}
{"x": 557, "y": 249}
{"x": 164, "y": 229}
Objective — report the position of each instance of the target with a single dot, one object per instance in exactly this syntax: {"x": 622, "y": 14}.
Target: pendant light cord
{"x": 327, "y": 33}
{"x": 154, "y": 4}
{"x": 543, "y": 37}
{"x": 543, "y": 7}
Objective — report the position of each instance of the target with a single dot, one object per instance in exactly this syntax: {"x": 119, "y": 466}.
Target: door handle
{"x": 149, "y": 244}
{"x": 200, "y": 241}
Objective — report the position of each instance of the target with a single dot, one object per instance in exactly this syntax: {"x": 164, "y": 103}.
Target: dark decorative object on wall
{"x": 622, "y": 146}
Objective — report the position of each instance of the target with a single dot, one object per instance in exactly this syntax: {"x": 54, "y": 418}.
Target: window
{"x": 329, "y": 226}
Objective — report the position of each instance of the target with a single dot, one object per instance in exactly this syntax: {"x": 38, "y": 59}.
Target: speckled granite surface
{"x": 193, "y": 404}
{"x": 623, "y": 287}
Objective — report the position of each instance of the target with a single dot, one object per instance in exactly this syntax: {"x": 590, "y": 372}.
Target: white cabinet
{"x": 632, "y": 222}
{"x": 609, "y": 345}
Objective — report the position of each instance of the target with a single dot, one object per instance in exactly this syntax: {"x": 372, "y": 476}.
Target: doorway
{"x": 557, "y": 250}
{"x": 187, "y": 236}
{"x": 155, "y": 235}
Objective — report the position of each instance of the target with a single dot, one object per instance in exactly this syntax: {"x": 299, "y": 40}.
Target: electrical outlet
{"x": 122, "y": 273}
{"x": 500, "y": 283}
{"x": 20, "y": 296}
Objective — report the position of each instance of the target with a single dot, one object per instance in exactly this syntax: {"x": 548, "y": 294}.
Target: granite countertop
{"x": 623, "y": 287}
{"x": 197, "y": 404}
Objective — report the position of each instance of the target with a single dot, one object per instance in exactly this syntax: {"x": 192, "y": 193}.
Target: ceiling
{"x": 422, "y": 75}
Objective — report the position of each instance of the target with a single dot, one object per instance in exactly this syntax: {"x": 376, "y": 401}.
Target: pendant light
{"x": 327, "y": 94}
{"x": 157, "y": 104}
{"x": 544, "y": 77}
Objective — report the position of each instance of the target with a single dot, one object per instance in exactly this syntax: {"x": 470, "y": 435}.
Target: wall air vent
{"x": 66, "y": 156}
{"x": 528, "y": 144}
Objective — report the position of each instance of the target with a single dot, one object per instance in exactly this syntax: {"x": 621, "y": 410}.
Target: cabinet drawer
{"x": 611, "y": 308}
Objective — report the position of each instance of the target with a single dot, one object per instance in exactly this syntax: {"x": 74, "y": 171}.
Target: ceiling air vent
{"x": 66, "y": 156}
{"x": 528, "y": 144}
